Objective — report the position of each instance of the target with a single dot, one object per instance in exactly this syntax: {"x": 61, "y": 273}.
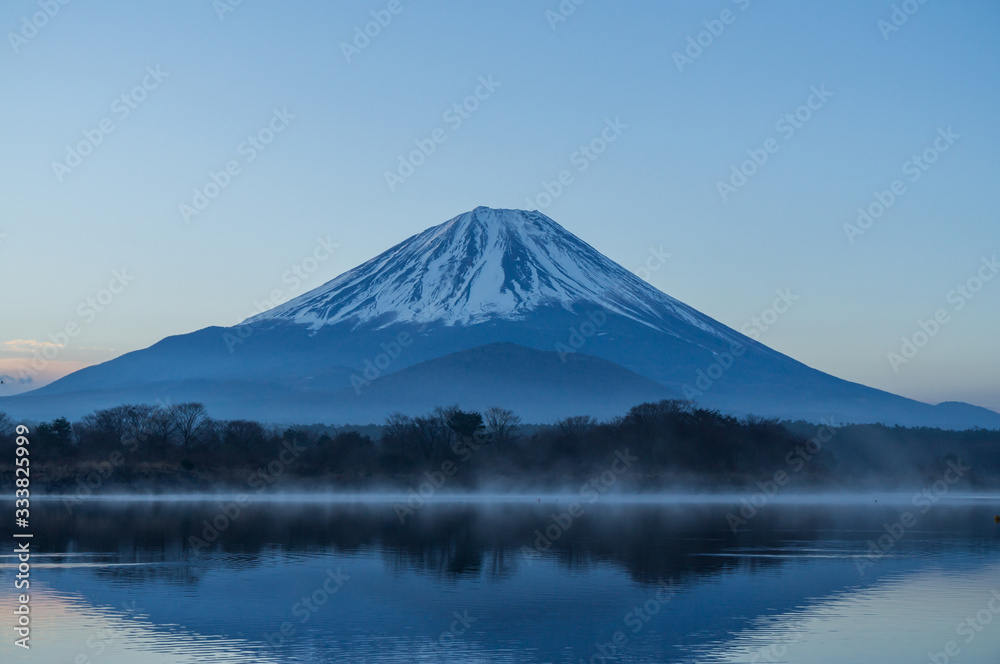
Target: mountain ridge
{"x": 482, "y": 278}
{"x": 503, "y": 263}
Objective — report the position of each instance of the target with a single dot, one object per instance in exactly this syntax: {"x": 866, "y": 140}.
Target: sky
{"x": 171, "y": 166}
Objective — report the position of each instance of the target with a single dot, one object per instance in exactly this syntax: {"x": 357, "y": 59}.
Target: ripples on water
{"x": 121, "y": 583}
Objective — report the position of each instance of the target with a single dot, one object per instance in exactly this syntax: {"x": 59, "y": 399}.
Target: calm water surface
{"x": 118, "y": 583}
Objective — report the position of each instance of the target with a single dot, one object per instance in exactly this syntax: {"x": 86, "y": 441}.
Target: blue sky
{"x": 345, "y": 120}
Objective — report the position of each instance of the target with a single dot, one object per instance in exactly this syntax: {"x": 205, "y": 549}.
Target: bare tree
{"x": 6, "y": 424}
{"x": 445, "y": 436}
{"x": 245, "y": 436}
{"x": 502, "y": 425}
{"x": 110, "y": 425}
{"x": 575, "y": 425}
{"x": 430, "y": 433}
{"x": 397, "y": 427}
{"x": 139, "y": 420}
{"x": 163, "y": 429}
{"x": 190, "y": 422}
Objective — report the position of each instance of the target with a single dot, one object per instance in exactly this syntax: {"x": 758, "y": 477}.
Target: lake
{"x": 875, "y": 579}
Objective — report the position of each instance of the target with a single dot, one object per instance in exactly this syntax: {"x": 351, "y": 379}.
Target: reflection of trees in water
{"x": 172, "y": 574}
{"x": 650, "y": 543}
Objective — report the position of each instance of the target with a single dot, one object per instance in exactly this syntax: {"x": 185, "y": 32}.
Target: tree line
{"x": 676, "y": 443}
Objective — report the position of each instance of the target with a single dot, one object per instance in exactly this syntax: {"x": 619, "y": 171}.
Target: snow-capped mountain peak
{"x": 483, "y": 264}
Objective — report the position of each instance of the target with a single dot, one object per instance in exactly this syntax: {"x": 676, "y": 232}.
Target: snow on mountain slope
{"x": 482, "y": 265}
{"x": 465, "y": 291}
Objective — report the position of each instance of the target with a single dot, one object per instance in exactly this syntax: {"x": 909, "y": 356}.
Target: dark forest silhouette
{"x": 675, "y": 444}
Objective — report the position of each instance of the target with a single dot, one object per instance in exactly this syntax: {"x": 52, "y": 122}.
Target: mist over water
{"x": 528, "y": 579}
{"x": 545, "y": 496}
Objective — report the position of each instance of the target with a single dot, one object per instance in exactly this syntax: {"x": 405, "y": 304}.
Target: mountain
{"x": 521, "y": 379}
{"x": 493, "y": 307}
{"x": 487, "y": 265}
